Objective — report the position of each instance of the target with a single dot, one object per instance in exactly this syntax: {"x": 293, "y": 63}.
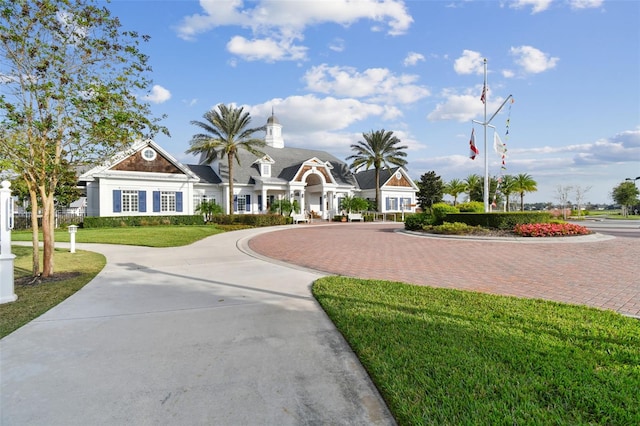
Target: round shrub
{"x": 440, "y": 211}
{"x": 471, "y": 207}
{"x": 416, "y": 222}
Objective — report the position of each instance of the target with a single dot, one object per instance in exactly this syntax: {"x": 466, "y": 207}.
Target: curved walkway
{"x": 598, "y": 272}
{"x": 196, "y": 335}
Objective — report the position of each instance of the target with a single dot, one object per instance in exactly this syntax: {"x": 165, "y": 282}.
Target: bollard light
{"x": 72, "y": 232}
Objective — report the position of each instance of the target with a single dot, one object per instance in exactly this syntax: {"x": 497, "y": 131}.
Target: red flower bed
{"x": 550, "y": 229}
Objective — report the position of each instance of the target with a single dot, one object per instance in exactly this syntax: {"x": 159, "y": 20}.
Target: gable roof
{"x": 287, "y": 162}
{"x": 367, "y": 178}
{"x": 122, "y": 157}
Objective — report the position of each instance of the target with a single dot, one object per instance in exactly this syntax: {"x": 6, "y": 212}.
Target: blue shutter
{"x": 179, "y": 202}
{"x": 259, "y": 202}
{"x": 248, "y": 204}
{"x": 388, "y": 202}
{"x": 397, "y": 204}
{"x": 117, "y": 201}
{"x": 156, "y": 201}
{"x": 235, "y": 203}
{"x": 142, "y": 201}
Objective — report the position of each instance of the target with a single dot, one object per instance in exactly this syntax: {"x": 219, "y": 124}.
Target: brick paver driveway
{"x": 602, "y": 274}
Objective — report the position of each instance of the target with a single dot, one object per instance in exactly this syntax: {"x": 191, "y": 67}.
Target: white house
{"x": 146, "y": 180}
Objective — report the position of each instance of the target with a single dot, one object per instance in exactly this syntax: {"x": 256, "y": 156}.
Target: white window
{"x": 266, "y": 170}
{"x": 392, "y": 204}
{"x": 148, "y": 154}
{"x": 129, "y": 201}
{"x": 242, "y": 203}
{"x": 167, "y": 201}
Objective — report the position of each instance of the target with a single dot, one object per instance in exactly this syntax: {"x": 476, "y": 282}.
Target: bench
{"x": 299, "y": 218}
{"x": 354, "y": 216}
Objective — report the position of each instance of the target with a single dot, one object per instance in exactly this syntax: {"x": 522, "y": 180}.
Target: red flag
{"x": 473, "y": 151}
{"x": 483, "y": 98}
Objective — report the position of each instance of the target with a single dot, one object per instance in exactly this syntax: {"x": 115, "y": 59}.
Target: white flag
{"x": 498, "y": 146}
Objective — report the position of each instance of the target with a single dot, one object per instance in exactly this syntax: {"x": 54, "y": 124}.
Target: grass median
{"x": 447, "y": 357}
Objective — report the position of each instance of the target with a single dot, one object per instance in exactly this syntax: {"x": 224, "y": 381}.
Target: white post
{"x": 486, "y": 157}
{"x": 7, "y": 293}
{"x": 73, "y": 229}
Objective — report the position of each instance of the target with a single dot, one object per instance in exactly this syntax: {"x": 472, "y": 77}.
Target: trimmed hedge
{"x": 123, "y": 221}
{"x": 506, "y": 220}
{"x": 256, "y": 220}
{"x": 415, "y": 222}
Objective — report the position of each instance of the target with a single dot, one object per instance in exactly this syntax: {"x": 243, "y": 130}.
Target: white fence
{"x": 63, "y": 217}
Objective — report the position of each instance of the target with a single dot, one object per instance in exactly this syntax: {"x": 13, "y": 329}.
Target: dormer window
{"x": 264, "y": 165}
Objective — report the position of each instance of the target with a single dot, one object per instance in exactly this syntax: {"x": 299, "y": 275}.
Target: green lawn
{"x": 34, "y": 300}
{"x": 447, "y": 357}
{"x": 149, "y": 236}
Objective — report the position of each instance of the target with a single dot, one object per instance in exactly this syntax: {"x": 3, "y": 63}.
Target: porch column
{"x": 264, "y": 201}
{"x": 323, "y": 206}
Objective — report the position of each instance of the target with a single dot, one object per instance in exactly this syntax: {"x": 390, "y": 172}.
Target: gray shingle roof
{"x": 287, "y": 161}
{"x": 367, "y": 179}
{"x": 205, "y": 173}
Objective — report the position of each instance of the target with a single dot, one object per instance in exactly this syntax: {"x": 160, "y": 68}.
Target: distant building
{"x": 147, "y": 180}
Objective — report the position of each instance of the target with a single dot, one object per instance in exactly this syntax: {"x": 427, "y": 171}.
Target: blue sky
{"x": 334, "y": 69}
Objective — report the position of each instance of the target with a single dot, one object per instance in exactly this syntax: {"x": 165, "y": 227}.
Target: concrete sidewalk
{"x": 196, "y": 335}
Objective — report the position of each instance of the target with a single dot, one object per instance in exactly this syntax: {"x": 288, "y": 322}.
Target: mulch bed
{"x": 33, "y": 281}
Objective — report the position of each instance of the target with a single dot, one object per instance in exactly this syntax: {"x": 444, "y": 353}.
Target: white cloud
{"x": 281, "y": 22}
{"x": 536, "y": 5}
{"x": 413, "y": 58}
{"x": 469, "y": 63}
{"x": 376, "y": 84}
{"x": 337, "y": 45}
{"x": 532, "y": 60}
{"x": 268, "y": 50}
{"x": 586, "y": 4}
{"x": 462, "y": 107}
{"x": 158, "y": 95}
{"x": 321, "y": 123}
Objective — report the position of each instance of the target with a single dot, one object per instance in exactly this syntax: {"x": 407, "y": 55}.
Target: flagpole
{"x": 485, "y": 124}
{"x": 486, "y": 157}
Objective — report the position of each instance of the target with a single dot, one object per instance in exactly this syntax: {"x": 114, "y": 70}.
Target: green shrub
{"x": 124, "y": 221}
{"x": 471, "y": 207}
{"x": 507, "y": 220}
{"x": 454, "y": 228}
{"x": 253, "y": 220}
{"x": 416, "y": 222}
{"x": 441, "y": 210}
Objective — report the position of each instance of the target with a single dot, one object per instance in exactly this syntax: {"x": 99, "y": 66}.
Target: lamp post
{"x": 633, "y": 179}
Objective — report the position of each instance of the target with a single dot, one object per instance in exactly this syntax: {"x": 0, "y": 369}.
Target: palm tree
{"x": 524, "y": 183}
{"x": 507, "y": 187}
{"x": 455, "y": 187}
{"x": 225, "y": 134}
{"x": 380, "y": 148}
{"x": 474, "y": 187}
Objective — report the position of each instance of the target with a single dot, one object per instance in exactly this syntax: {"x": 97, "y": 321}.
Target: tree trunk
{"x": 230, "y": 161}
{"x": 35, "y": 263}
{"x": 378, "y": 200}
{"x": 48, "y": 228}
